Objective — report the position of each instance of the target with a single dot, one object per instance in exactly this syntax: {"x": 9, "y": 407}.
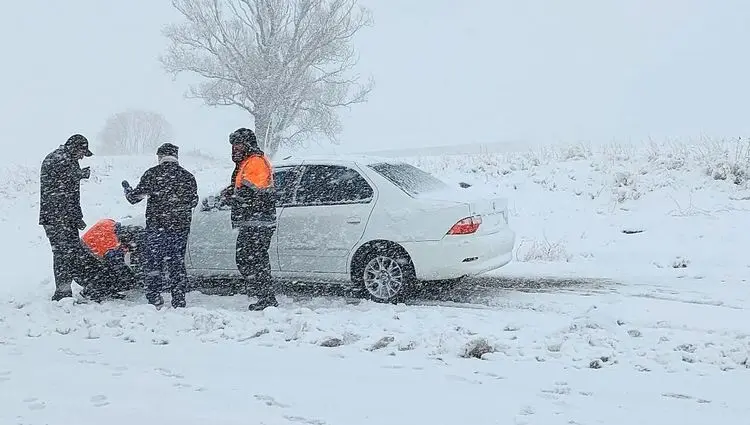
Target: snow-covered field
{"x": 649, "y": 326}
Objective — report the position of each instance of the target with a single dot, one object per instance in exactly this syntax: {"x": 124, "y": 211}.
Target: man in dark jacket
{"x": 60, "y": 210}
{"x": 252, "y": 198}
{"x": 172, "y": 194}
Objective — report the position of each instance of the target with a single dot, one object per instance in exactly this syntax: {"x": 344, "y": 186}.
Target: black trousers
{"x": 106, "y": 275}
{"x": 117, "y": 274}
{"x": 68, "y": 256}
{"x": 253, "y": 260}
{"x": 165, "y": 257}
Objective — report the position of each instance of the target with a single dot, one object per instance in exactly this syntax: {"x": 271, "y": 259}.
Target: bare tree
{"x": 133, "y": 132}
{"x": 288, "y": 63}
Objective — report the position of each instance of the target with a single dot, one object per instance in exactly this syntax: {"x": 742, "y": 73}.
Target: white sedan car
{"x": 378, "y": 224}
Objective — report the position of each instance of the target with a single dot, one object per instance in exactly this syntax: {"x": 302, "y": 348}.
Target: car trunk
{"x": 467, "y": 203}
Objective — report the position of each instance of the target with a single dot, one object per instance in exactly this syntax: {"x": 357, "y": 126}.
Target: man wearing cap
{"x": 172, "y": 194}
{"x": 60, "y": 210}
{"x": 252, "y": 198}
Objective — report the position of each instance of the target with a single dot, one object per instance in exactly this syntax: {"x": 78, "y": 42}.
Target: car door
{"x": 212, "y": 240}
{"x": 325, "y": 219}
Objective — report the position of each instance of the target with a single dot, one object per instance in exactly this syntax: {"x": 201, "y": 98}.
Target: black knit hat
{"x": 167, "y": 149}
{"x": 243, "y": 136}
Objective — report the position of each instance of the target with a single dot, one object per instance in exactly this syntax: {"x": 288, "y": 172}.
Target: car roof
{"x": 333, "y": 160}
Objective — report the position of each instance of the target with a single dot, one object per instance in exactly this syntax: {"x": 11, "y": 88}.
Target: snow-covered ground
{"x": 649, "y": 326}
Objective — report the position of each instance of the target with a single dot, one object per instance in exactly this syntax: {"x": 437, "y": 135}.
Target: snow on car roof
{"x": 333, "y": 159}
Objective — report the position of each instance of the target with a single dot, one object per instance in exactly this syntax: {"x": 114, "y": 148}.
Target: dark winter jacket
{"x": 172, "y": 194}
{"x": 60, "y": 189}
{"x": 253, "y": 203}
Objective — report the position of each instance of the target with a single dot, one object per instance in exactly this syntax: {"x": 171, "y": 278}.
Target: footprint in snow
{"x": 118, "y": 370}
{"x": 490, "y": 374}
{"x": 270, "y": 401}
{"x": 526, "y": 411}
{"x": 4, "y": 375}
{"x": 34, "y": 403}
{"x": 560, "y": 389}
{"x": 680, "y": 396}
{"x": 99, "y": 400}
{"x": 303, "y": 420}
{"x": 392, "y": 366}
{"x": 463, "y": 379}
{"x": 181, "y": 385}
{"x": 168, "y": 373}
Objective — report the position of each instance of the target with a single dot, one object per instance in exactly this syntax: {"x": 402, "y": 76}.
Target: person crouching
{"x": 104, "y": 241}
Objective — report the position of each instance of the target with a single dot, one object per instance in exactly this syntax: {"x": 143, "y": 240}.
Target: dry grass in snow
{"x": 610, "y": 205}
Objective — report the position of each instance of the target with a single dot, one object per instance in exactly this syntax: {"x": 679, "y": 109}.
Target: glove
{"x": 126, "y": 186}
{"x": 81, "y": 224}
{"x": 85, "y": 172}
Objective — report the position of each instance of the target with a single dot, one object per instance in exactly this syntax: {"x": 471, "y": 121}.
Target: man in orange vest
{"x": 252, "y": 198}
{"x": 102, "y": 237}
{"x": 107, "y": 272}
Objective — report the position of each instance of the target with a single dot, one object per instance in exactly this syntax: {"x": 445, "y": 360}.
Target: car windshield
{"x": 409, "y": 178}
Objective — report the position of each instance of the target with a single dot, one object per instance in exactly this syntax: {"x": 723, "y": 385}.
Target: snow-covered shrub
{"x": 726, "y": 159}
{"x": 624, "y": 185}
{"x": 668, "y": 155}
{"x": 18, "y": 180}
{"x": 680, "y": 263}
{"x": 477, "y": 348}
{"x": 576, "y": 152}
{"x": 618, "y": 153}
{"x": 534, "y": 250}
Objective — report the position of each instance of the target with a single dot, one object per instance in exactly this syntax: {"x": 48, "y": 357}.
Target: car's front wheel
{"x": 385, "y": 274}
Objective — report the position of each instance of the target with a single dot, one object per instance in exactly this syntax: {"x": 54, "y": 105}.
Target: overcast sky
{"x": 446, "y": 72}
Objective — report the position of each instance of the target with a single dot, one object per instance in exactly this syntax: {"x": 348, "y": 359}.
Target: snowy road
{"x": 477, "y": 290}
{"x": 562, "y": 351}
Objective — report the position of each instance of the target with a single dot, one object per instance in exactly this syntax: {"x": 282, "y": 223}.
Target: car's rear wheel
{"x": 385, "y": 274}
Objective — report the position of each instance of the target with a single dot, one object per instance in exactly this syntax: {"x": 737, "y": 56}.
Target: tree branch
{"x": 285, "y": 62}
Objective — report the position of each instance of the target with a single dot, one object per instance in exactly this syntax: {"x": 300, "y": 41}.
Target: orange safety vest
{"x": 101, "y": 237}
{"x": 256, "y": 171}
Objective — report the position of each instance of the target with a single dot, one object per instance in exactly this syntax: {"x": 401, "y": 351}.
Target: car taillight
{"x": 466, "y": 226}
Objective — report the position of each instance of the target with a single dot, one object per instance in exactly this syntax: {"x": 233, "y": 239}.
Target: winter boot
{"x": 89, "y": 293}
{"x": 157, "y": 301}
{"x": 117, "y": 295}
{"x": 58, "y": 295}
{"x": 178, "y": 301}
{"x": 263, "y": 303}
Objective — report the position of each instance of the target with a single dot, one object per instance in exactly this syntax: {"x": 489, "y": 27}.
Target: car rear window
{"x": 409, "y": 178}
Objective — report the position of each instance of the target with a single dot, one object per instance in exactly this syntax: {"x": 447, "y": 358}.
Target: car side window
{"x": 283, "y": 181}
{"x": 332, "y": 184}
